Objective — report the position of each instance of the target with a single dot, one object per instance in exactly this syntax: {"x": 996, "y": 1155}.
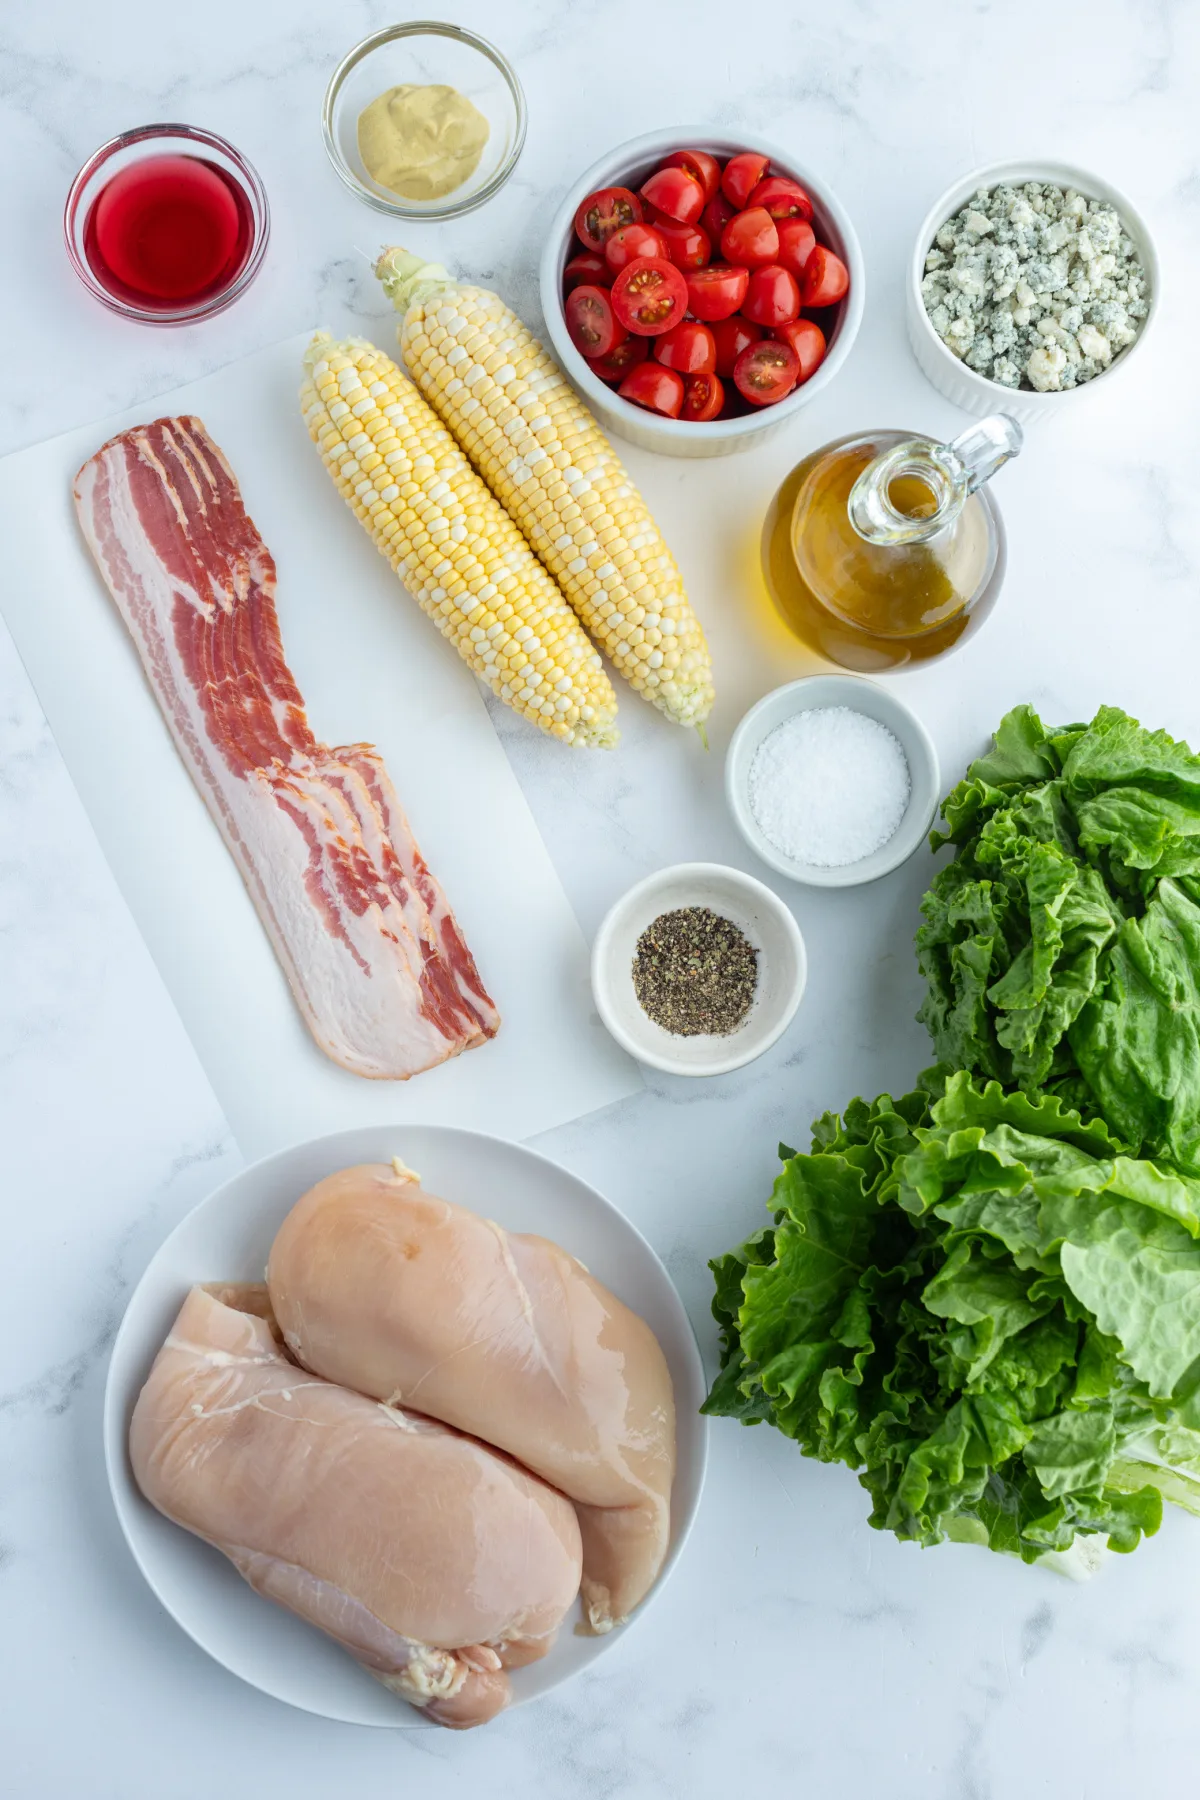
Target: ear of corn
{"x": 452, "y": 545}
{"x": 546, "y": 460}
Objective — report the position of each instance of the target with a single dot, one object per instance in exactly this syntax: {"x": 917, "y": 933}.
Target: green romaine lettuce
{"x": 976, "y": 1299}
{"x": 1061, "y": 947}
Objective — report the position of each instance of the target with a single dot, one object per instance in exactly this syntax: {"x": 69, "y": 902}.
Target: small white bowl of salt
{"x": 832, "y": 780}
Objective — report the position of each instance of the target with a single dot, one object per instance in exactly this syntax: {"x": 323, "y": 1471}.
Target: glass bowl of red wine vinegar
{"x": 167, "y": 224}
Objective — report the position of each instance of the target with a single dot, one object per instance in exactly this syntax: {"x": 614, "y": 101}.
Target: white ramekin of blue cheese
{"x": 982, "y": 394}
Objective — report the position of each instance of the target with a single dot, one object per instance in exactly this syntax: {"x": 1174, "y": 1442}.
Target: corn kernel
{"x": 365, "y": 441}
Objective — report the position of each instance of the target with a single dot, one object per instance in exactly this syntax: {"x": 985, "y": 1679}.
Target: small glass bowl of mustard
{"x": 425, "y": 55}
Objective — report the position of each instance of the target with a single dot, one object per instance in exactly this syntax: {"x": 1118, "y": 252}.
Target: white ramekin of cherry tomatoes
{"x": 699, "y": 291}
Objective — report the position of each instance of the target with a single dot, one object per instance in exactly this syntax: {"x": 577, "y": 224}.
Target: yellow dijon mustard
{"x": 421, "y": 142}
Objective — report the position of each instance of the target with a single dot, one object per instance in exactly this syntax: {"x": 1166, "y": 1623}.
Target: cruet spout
{"x": 946, "y": 473}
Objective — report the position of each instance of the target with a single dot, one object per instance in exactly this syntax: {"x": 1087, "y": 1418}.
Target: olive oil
{"x": 873, "y": 605}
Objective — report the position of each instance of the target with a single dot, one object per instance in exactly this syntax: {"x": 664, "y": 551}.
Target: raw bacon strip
{"x": 414, "y": 872}
{"x": 363, "y": 931}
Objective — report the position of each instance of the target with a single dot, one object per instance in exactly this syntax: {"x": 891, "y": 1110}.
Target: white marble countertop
{"x": 794, "y": 1649}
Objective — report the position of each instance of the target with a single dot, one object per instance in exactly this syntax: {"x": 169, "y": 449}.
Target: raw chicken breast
{"x": 387, "y": 1289}
{"x": 434, "y": 1561}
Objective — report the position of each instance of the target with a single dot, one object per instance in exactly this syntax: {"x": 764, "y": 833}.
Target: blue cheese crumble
{"x": 1035, "y": 286}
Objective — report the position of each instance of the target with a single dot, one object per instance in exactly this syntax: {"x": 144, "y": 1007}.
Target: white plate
{"x": 227, "y": 1237}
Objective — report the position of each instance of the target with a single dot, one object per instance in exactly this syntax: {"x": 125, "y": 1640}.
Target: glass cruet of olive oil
{"x": 886, "y": 549}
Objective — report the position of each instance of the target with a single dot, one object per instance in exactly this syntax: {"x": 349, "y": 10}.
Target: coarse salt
{"x": 829, "y": 786}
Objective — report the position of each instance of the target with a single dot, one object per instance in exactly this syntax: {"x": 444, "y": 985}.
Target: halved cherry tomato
{"x": 766, "y": 372}
{"x": 782, "y": 198}
{"x": 649, "y": 296}
{"x": 593, "y": 329}
{"x": 628, "y": 242}
{"x": 657, "y": 389}
{"x": 674, "y": 192}
{"x": 796, "y": 243}
{"x": 825, "y": 280}
{"x": 699, "y": 163}
{"x": 717, "y": 215}
{"x": 741, "y": 175}
{"x": 687, "y": 347}
{"x": 717, "y": 291}
{"x": 750, "y": 238}
{"x": 703, "y": 397}
{"x": 731, "y": 337}
{"x": 586, "y": 266}
{"x": 807, "y": 340}
{"x": 687, "y": 245}
{"x": 772, "y": 297}
{"x": 604, "y": 212}
{"x": 616, "y": 365}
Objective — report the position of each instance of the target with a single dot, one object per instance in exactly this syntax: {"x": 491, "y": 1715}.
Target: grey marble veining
{"x": 793, "y": 1651}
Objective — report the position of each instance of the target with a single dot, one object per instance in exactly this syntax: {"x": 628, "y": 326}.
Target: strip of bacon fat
{"x": 365, "y": 934}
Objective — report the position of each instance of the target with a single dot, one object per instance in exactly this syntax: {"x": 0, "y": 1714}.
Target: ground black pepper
{"x": 695, "y": 972}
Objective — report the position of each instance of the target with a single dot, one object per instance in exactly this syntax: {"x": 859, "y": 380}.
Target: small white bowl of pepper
{"x": 698, "y": 969}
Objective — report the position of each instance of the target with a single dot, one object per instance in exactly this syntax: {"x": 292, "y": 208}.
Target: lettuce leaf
{"x": 979, "y": 1301}
{"x": 984, "y": 1297}
{"x": 1061, "y": 947}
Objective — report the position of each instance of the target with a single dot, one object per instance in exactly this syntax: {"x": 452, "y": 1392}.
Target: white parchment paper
{"x": 371, "y": 667}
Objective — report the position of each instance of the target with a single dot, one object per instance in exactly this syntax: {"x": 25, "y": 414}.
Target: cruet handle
{"x": 986, "y": 447}
{"x": 951, "y": 472}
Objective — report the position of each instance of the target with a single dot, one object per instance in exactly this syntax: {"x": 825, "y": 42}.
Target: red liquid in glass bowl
{"x": 167, "y": 224}
{"x": 168, "y": 231}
